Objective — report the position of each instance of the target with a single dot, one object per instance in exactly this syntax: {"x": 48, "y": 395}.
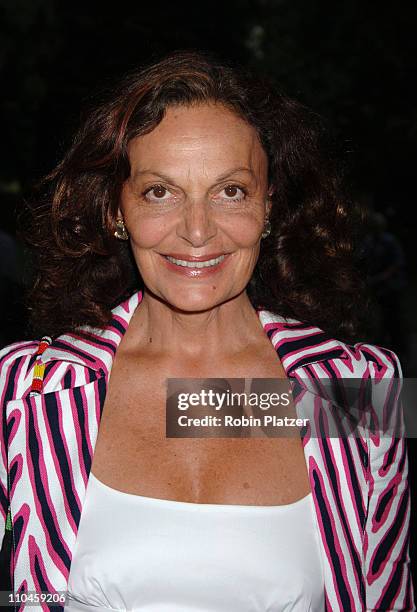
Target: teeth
{"x": 196, "y": 264}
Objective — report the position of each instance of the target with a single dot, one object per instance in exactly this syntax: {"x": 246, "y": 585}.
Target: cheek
{"x": 244, "y": 230}
{"x": 146, "y": 233}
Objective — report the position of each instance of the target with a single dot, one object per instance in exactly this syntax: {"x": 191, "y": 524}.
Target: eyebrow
{"x": 168, "y": 179}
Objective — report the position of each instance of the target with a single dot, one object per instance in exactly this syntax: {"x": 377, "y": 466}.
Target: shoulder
{"x": 17, "y": 353}
{"x": 16, "y": 350}
{"x": 304, "y": 346}
{"x": 381, "y": 362}
{"x": 63, "y": 365}
{"x": 16, "y": 361}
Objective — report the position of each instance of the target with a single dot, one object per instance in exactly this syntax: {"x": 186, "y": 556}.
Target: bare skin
{"x": 198, "y": 187}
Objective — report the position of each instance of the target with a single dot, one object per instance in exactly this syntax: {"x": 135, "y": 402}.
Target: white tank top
{"x": 155, "y": 555}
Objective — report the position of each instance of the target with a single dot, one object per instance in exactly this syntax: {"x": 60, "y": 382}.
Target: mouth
{"x": 196, "y": 267}
{"x": 195, "y": 263}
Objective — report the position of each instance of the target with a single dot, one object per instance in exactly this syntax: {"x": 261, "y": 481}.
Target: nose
{"x": 197, "y": 225}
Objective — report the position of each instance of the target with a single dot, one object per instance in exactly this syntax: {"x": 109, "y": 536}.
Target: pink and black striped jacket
{"x": 359, "y": 483}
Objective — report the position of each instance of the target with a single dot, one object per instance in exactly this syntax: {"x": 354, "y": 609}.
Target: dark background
{"x": 353, "y": 62}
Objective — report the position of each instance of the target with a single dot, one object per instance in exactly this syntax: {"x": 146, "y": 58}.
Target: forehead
{"x": 204, "y": 132}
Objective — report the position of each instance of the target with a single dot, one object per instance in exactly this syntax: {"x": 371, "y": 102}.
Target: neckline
{"x": 297, "y": 344}
{"x": 194, "y": 505}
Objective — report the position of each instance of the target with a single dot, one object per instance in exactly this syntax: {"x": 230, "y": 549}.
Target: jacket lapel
{"x": 336, "y": 465}
{"x": 57, "y": 431}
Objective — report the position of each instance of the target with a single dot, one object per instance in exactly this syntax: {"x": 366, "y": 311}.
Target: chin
{"x": 196, "y": 301}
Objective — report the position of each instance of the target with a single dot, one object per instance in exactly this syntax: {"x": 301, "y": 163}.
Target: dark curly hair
{"x": 305, "y": 268}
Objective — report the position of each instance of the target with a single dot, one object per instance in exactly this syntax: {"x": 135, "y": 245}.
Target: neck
{"x": 224, "y": 329}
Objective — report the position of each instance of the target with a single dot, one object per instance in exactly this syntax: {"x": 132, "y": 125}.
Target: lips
{"x": 185, "y": 257}
{"x": 195, "y": 266}
{"x": 196, "y": 263}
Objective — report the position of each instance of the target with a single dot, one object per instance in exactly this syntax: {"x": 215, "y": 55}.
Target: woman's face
{"x": 195, "y": 205}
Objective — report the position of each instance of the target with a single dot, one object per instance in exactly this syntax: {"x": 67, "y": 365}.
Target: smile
{"x": 196, "y": 267}
{"x": 196, "y": 264}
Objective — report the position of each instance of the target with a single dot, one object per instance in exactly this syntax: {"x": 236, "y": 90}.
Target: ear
{"x": 268, "y": 206}
{"x": 269, "y": 201}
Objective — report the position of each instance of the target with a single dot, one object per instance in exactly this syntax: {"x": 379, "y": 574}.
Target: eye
{"x": 234, "y": 193}
{"x": 159, "y": 192}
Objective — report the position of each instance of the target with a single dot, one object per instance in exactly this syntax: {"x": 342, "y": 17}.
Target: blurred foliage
{"x": 53, "y": 56}
{"x": 354, "y": 62}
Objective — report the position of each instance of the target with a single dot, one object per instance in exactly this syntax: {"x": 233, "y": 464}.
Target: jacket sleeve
{"x": 13, "y": 381}
{"x": 387, "y": 561}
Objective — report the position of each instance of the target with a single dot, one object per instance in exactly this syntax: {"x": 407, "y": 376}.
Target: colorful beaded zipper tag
{"x": 39, "y": 369}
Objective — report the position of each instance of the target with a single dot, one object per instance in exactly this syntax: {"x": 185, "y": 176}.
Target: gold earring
{"x": 267, "y": 228}
{"x": 121, "y": 232}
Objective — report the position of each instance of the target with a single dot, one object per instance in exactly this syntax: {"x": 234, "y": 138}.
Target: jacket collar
{"x": 297, "y": 344}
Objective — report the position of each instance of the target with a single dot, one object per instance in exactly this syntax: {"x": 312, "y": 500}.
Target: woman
{"x": 194, "y": 230}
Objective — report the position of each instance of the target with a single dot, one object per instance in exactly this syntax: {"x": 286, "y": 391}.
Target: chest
{"x": 133, "y": 454}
